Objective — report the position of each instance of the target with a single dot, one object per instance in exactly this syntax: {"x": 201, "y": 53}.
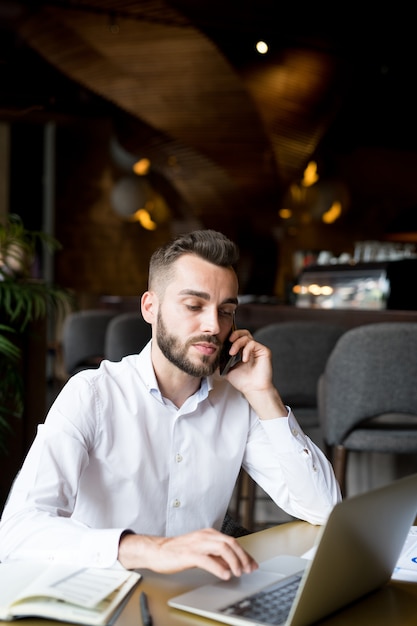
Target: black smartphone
{"x": 228, "y": 361}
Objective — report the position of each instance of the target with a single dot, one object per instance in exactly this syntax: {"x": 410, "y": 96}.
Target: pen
{"x": 144, "y": 610}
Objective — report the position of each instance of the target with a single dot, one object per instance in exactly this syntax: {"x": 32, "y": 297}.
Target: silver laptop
{"x": 357, "y": 551}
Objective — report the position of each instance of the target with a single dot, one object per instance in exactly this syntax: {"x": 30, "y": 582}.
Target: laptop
{"x": 356, "y": 554}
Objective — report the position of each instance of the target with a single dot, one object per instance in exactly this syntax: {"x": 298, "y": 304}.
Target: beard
{"x": 176, "y": 352}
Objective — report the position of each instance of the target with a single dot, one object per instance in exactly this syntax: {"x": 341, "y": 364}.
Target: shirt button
{"x": 294, "y": 432}
{"x": 178, "y": 458}
{"x": 176, "y": 504}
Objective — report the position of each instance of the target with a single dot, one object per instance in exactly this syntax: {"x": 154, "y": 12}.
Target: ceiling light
{"x": 262, "y": 47}
{"x": 129, "y": 194}
{"x": 141, "y": 167}
{"x": 333, "y": 213}
{"x": 144, "y": 218}
{"x": 310, "y": 175}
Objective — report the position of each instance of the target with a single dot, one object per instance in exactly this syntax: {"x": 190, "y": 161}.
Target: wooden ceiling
{"x": 227, "y": 129}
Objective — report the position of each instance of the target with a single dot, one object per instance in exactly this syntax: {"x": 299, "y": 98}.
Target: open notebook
{"x": 357, "y": 551}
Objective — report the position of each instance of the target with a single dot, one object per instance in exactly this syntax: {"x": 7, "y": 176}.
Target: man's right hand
{"x": 207, "y": 549}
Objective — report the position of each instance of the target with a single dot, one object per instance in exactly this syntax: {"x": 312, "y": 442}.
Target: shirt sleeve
{"x": 37, "y": 521}
{"x": 292, "y": 469}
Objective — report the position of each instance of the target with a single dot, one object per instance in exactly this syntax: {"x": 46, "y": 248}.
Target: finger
{"x": 215, "y": 565}
{"x": 221, "y": 567}
{"x": 232, "y": 555}
{"x": 241, "y": 341}
{"x": 238, "y": 559}
{"x": 208, "y": 549}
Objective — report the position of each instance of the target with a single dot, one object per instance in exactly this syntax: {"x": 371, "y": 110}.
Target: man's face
{"x": 176, "y": 351}
{"x": 198, "y": 305}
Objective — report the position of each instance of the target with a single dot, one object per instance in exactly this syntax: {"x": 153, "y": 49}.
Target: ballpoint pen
{"x": 144, "y": 610}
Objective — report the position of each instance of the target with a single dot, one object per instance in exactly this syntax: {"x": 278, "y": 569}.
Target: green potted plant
{"x": 24, "y": 300}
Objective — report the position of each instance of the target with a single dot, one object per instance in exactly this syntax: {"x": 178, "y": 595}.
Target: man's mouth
{"x": 205, "y": 348}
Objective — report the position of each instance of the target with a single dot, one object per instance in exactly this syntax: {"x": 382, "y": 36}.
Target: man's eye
{"x": 225, "y": 313}
{"x": 193, "y": 307}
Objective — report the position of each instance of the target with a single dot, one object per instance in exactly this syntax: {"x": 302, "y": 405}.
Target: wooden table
{"x": 394, "y": 605}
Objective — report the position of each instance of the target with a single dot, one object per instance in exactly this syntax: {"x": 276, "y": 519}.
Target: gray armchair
{"x": 367, "y": 395}
{"x": 83, "y": 338}
{"x": 127, "y": 333}
{"x": 300, "y": 350}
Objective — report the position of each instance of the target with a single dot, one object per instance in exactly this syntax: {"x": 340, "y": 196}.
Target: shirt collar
{"x": 147, "y": 374}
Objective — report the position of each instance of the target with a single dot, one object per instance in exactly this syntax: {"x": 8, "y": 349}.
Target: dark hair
{"x": 210, "y": 245}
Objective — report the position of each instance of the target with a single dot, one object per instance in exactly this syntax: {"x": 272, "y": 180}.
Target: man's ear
{"x": 148, "y": 305}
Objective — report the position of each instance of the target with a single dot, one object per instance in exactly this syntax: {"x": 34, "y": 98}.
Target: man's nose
{"x": 210, "y": 323}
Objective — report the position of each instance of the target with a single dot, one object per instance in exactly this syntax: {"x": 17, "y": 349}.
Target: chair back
{"x": 127, "y": 333}
{"x": 300, "y": 350}
{"x": 83, "y": 338}
{"x": 371, "y": 372}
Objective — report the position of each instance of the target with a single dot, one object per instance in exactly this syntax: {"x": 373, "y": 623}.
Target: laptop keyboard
{"x": 270, "y": 606}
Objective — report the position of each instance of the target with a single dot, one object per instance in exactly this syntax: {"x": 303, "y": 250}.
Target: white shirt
{"x": 114, "y": 455}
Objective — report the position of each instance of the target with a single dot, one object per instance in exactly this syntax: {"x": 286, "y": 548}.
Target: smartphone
{"x": 228, "y": 361}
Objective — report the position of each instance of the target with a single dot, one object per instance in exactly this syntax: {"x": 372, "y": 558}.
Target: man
{"x": 137, "y": 460}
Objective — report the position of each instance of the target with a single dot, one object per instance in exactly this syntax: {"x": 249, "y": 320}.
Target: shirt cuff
{"x": 285, "y": 432}
{"x": 102, "y": 547}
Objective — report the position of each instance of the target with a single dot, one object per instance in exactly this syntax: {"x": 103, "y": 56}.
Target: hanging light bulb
{"x": 310, "y": 174}
{"x": 262, "y": 47}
